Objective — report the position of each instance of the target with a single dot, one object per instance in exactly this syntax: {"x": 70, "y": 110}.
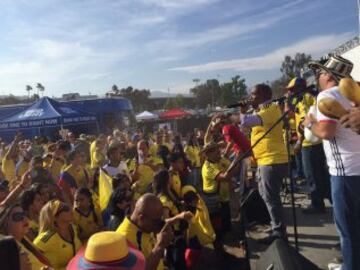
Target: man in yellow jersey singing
{"x": 270, "y": 153}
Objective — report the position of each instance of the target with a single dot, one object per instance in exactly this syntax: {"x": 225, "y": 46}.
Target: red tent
{"x": 174, "y": 114}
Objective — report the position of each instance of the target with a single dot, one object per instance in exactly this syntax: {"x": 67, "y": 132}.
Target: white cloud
{"x": 316, "y": 46}
{"x": 172, "y": 45}
{"x": 174, "y": 4}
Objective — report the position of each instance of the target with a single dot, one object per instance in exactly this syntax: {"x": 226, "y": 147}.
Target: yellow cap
{"x": 101, "y": 247}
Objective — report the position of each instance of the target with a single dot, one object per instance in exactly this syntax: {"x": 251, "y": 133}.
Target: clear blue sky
{"x": 89, "y": 45}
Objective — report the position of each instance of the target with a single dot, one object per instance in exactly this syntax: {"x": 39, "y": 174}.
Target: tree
{"x": 40, "y": 88}
{"x": 291, "y": 67}
{"x": 115, "y": 89}
{"x": 211, "y": 93}
{"x": 233, "y": 91}
{"x": 196, "y": 81}
{"x": 28, "y": 89}
{"x": 205, "y": 94}
{"x": 176, "y": 102}
{"x": 138, "y": 98}
{"x": 278, "y": 86}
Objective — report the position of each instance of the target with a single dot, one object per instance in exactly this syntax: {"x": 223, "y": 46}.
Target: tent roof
{"x": 46, "y": 112}
{"x": 174, "y": 113}
{"x": 145, "y": 115}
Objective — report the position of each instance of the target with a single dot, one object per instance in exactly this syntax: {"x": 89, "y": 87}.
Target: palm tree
{"x": 40, "y": 88}
{"x": 115, "y": 89}
{"x": 196, "y": 81}
{"x": 28, "y": 89}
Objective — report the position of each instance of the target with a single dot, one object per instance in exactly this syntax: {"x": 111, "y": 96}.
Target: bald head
{"x": 148, "y": 203}
{"x": 148, "y": 213}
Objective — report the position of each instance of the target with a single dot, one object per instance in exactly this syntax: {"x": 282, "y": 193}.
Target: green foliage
{"x": 177, "y": 102}
{"x": 291, "y": 67}
{"x": 211, "y": 93}
{"x": 138, "y": 98}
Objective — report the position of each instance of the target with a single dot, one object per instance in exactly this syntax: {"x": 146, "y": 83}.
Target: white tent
{"x": 145, "y": 115}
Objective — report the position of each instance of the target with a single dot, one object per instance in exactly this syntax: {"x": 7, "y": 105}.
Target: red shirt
{"x": 233, "y": 134}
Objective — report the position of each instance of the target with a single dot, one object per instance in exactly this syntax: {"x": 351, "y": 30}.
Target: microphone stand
{"x": 292, "y": 181}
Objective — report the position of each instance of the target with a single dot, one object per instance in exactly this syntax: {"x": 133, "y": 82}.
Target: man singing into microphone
{"x": 270, "y": 153}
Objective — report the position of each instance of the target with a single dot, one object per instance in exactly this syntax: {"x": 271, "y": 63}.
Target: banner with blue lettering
{"x": 47, "y": 112}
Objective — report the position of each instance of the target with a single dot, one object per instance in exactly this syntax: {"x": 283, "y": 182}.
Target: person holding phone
{"x": 140, "y": 228}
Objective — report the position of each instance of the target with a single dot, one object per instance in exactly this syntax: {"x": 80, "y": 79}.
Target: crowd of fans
{"x": 171, "y": 195}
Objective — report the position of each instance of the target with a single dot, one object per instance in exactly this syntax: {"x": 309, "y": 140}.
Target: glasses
{"x": 18, "y": 216}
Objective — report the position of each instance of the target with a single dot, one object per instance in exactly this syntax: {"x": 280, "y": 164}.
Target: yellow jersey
{"x": 8, "y": 167}
{"x": 154, "y": 149}
{"x": 169, "y": 204}
{"x": 175, "y": 183}
{"x": 301, "y": 110}
{"x": 89, "y": 223}
{"x": 224, "y": 186}
{"x": 193, "y": 154}
{"x": 271, "y": 149}
{"x": 144, "y": 242}
{"x": 146, "y": 175}
{"x": 35, "y": 261}
{"x": 209, "y": 173}
{"x": 75, "y": 176}
{"x": 57, "y": 250}
{"x": 56, "y": 166}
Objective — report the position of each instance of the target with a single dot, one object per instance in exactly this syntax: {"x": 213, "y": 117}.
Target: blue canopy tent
{"x": 45, "y": 117}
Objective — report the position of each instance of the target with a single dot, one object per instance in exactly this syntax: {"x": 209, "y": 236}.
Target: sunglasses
{"x": 18, "y": 216}
{"x": 62, "y": 208}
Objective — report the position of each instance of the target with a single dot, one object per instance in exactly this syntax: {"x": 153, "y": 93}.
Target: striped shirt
{"x": 343, "y": 151}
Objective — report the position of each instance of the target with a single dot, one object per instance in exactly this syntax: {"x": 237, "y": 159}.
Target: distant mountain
{"x": 160, "y": 94}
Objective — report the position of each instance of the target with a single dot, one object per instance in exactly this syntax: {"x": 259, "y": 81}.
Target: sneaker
{"x": 334, "y": 266}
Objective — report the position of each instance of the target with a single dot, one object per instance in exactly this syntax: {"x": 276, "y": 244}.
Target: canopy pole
{"x": 97, "y": 127}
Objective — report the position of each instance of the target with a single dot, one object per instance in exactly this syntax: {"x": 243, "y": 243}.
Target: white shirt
{"x": 342, "y": 152}
{"x": 113, "y": 171}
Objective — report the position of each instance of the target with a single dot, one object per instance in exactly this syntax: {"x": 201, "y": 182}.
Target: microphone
{"x": 242, "y": 103}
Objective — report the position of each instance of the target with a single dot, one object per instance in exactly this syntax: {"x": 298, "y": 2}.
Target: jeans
{"x": 195, "y": 177}
{"x": 316, "y": 174}
{"x": 346, "y": 203}
{"x": 270, "y": 182}
{"x": 299, "y": 171}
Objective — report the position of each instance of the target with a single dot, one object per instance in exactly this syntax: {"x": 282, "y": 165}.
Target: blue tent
{"x": 46, "y": 113}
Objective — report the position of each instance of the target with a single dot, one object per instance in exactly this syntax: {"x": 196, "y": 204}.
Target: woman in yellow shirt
{"x": 13, "y": 221}
{"x": 58, "y": 239}
{"x": 173, "y": 215}
{"x": 32, "y": 203}
{"x": 86, "y": 216}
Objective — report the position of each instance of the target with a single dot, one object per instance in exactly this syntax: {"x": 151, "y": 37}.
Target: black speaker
{"x": 281, "y": 256}
{"x": 254, "y": 207}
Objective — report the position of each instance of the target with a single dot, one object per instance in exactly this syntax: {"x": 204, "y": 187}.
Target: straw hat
{"x": 109, "y": 251}
{"x": 337, "y": 66}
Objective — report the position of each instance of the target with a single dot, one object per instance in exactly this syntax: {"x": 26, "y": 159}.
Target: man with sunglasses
{"x": 141, "y": 227}
{"x": 342, "y": 148}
